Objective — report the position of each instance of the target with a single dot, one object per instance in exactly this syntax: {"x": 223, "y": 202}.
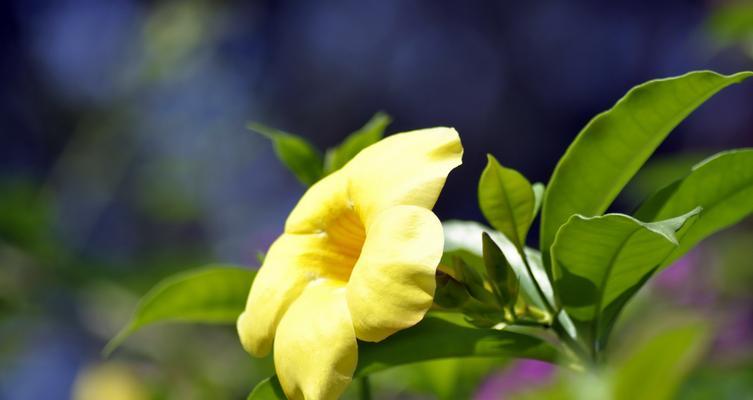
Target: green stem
{"x": 540, "y": 291}
{"x": 573, "y": 345}
{"x": 364, "y": 389}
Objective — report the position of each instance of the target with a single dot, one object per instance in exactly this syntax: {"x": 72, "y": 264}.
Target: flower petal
{"x": 293, "y": 261}
{"x": 407, "y": 168}
{"x": 315, "y": 348}
{"x": 321, "y": 205}
{"x": 392, "y": 284}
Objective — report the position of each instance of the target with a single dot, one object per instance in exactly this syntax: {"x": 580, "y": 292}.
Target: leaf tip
{"x": 117, "y": 340}
{"x": 490, "y": 159}
{"x": 259, "y": 128}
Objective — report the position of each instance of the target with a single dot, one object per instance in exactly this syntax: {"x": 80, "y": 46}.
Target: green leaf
{"x": 501, "y": 275}
{"x": 507, "y": 201}
{"x": 437, "y": 337}
{"x": 470, "y": 277}
{"x": 599, "y": 261}
{"x": 655, "y": 368}
{"x": 449, "y": 292}
{"x": 722, "y": 185}
{"x": 538, "y": 192}
{"x": 298, "y": 155}
{"x": 463, "y": 238}
{"x": 732, "y": 23}
{"x": 614, "y": 145}
{"x": 268, "y": 389}
{"x": 659, "y": 172}
{"x": 214, "y": 295}
{"x": 369, "y": 134}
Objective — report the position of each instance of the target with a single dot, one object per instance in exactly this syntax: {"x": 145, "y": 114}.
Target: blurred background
{"x": 124, "y": 159}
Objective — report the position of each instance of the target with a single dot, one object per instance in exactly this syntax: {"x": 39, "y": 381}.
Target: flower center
{"x": 346, "y": 235}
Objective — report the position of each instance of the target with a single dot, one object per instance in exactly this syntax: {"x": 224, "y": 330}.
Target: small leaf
{"x": 298, "y": 155}
{"x": 470, "y": 277}
{"x": 463, "y": 238}
{"x": 507, "y": 201}
{"x": 369, "y": 134}
{"x": 503, "y": 279}
{"x": 599, "y": 261}
{"x": 449, "y": 292}
{"x": 268, "y": 389}
{"x": 614, "y": 145}
{"x": 721, "y": 184}
{"x": 214, "y": 295}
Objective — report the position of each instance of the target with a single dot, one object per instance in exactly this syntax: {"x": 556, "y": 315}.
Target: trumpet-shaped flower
{"x": 357, "y": 260}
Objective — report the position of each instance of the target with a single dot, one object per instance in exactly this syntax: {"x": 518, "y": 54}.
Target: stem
{"x": 577, "y": 348}
{"x": 364, "y": 389}
{"x": 572, "y": 344}
{"x": 540, "y": 292}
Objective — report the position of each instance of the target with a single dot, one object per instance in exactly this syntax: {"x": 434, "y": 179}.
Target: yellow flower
{"x": 356, "y": 261}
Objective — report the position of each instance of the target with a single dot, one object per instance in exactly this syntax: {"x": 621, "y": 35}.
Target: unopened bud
{"x": 450, "y": 293}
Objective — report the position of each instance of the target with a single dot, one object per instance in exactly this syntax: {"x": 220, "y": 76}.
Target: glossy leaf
{"x": 655, "y": 368}
{"x": 598, "y": 261}
{"x": 501, "y": 275}
{"x": 658, "y": 172}
{"x": 439, "y": 336}
{"x": 297, "y": 154}
{"x": 369, "y": 134}
{"x": 722, "y": 185}
{"x": 614, "y": 145}
{"x": 507, "y": 201}
{"x": 463, "y": 238}
{"x": 209, "y": 295}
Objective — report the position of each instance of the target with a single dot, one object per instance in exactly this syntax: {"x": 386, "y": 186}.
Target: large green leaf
{"x": 614, "y": 145}
{"x": 722, "y": 185}
{"x": 655, "y": 367}
{"x": 208, "y": 295}
{"x": 463, "y": 238}
{"x": 439, "y": 337}
{"x": 369, "y": 134}
{"x": 298, "y": 155}
{"x": 598, "y": 261}
{"x": 507, "y": 201}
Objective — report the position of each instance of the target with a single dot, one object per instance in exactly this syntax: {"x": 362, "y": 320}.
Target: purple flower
{"x": 518, "y": 376}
